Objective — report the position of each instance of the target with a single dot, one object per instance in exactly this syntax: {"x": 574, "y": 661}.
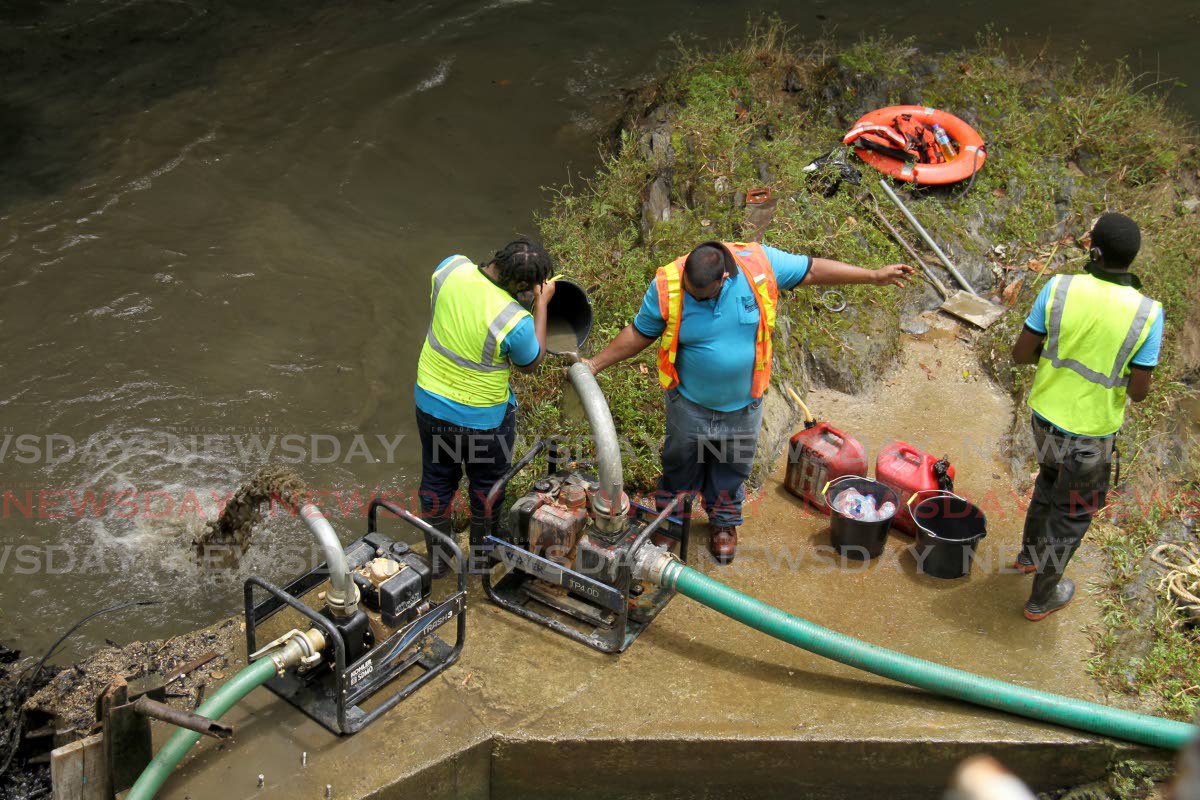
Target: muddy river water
{"x": 217, "y": 222}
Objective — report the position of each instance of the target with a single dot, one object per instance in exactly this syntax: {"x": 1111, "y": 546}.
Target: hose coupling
{"x": 649, "y": 562}
{"x": 612, "y": 514}
{"x": 343, "y": 605}
{"x": 294, "y": 649}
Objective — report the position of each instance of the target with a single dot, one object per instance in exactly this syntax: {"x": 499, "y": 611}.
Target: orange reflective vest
{"x": 756, "y": 268}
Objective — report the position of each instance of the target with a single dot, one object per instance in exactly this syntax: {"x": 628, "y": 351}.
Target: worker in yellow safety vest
{"x": 465, "y": 407}
{"x": 713, "y": 312}
{"x": 1095, "y": 339}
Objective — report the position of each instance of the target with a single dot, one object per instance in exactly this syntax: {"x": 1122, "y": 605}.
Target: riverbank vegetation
{"x": 1065, "y": 141}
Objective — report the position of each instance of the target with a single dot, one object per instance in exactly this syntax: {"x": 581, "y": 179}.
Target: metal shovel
{"x": 965, "y": 304}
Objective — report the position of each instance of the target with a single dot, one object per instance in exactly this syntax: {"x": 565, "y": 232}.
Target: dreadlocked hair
{"x": 523, "y": 261}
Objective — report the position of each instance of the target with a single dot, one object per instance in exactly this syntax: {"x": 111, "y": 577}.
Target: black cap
{"x": 1118, "y": 239}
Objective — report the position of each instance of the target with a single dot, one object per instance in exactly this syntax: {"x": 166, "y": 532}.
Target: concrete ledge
{"x": 703, "y": 706}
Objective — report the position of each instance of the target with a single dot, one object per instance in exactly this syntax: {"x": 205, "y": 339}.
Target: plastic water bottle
{"x": 849, "y": 503}
{"x": 943, "y": 140}
{"x": 869, "y": 514}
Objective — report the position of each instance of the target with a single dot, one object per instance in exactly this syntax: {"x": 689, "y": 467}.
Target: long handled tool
{"x": 966, "y": 305}
{"x": 925, "y": 235}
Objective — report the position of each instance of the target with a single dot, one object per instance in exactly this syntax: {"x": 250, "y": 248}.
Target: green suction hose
{"x": 223, "y": 699}
{"x": 936, "y": 678}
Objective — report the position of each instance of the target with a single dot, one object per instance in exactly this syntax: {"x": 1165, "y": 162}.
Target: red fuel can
{"x": 817, "y": 455}
{"x": 904, "y": 469}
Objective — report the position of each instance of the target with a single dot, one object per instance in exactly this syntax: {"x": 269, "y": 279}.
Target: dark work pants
{"x": 447, "y": 450}
{"x": 1072, "y": 485}
{"x": 710, "y": 453}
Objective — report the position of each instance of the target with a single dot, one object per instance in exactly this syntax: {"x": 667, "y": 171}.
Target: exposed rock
{"x": 857, "y": 362}
{"x": 792, "y": 82}
{"x": 914, "y": 326}
{"x": 1086, "y": 160}
{"x": 1189, "y": 345}
{"x": 657, "y": 205}
{"x": 780, "y": 420}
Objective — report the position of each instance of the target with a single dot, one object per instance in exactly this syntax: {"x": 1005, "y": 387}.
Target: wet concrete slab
{"x": 702, "y": 706}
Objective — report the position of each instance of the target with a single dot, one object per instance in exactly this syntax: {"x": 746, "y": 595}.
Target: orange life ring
{"x": 970, "y": 157}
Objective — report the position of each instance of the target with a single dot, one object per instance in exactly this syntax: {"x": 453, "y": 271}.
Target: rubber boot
{"x": 439, "y": 557}
{"x": 1051, "y": 591}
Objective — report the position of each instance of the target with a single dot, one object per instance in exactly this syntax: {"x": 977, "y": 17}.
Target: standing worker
{"x": 1095, "y": 339}
{"x": 714, "y": 310}
{"x": 466, "y": 411}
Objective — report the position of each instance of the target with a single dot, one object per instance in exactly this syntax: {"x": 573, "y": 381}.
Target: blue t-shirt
{"x": 1146, "y": 355}
{"x": 715, "y": 359}
{"x": 520, "y": 347}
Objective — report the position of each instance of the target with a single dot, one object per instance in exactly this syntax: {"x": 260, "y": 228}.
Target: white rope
{"x": 1182, "y": 581}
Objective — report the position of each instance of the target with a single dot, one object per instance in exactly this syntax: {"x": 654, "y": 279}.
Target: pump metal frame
{"x": 333, "y": 693}
{"x": 513, "y": 592}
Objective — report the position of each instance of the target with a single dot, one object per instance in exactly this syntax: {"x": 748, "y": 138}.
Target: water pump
{"x": 567, "y": 557}
{"x": 377, "y": 617}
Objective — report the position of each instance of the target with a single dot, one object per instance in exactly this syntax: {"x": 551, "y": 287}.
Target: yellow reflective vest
{"x": 1093, "y": 330}
{"x": 460, "y": 359}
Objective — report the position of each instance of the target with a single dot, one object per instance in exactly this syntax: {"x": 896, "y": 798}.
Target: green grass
{"x": 1065, "y": 142}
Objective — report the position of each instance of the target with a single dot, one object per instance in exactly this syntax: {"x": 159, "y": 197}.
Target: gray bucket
{"x": 568, "y": 318}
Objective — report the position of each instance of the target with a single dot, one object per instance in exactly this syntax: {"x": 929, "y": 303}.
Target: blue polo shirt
{"x": 715, "y": 359}
{"x": 520, "y": 347}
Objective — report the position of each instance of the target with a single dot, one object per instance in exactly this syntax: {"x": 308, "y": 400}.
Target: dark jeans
{"x": 1072, "y": 485}
{"x": 448, "y": 449}
{"x": 710, "y": 453}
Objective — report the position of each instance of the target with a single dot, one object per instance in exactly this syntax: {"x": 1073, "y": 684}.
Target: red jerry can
{"x": 817, "y": 455}
{"x": 904, "y": 469}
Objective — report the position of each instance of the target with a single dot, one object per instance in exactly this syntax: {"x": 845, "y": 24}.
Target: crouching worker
{"x": 713, "y": 312}
{"x": 1095, "y": 339}
{"x": 465, "y": 408}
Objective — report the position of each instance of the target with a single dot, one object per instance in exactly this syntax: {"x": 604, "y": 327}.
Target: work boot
{"x": 1050, "y": 593}
{"x": 439, "y": 556}
{"x": 723, "y": 543}
{"x": 1024, "y": 562}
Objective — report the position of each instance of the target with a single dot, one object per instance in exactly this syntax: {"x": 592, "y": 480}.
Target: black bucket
{"x": 855, "y": 538}
{"x": 948, "y": 529}
{"x": 569, "y": 313}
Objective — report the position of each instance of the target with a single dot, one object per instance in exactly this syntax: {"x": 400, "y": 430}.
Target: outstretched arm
{"x": 629, "y": 342}
{"x": 827, "y": 272}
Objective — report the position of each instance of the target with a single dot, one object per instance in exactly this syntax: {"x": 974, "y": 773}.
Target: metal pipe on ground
{"x": 925, "y": 235}
{"x": 182, "y": 719}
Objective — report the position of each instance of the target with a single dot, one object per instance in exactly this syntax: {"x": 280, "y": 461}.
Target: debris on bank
{"x": 59, "y": 706}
